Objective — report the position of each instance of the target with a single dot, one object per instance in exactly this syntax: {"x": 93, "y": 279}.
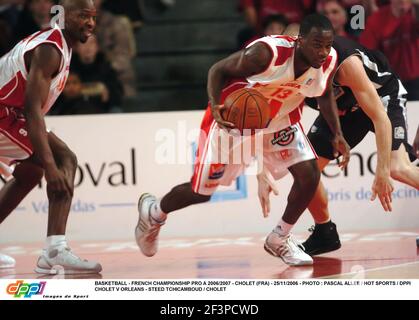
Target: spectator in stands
{"x": 35, "y": 16}
{"x": 78, "y": 100}
{"x": 10, "y": 11}
{"x": 394, "y": 29}
{"x": 6, "y": 39}
{"x": 116, "y": 40}
{"x": 274, "y": 24}
{"x": 335, "y": 11}
{"x": 271, "y": 25}
{"x": 129, "y": 8}
{"x": 97, "y": 76}
{"x": 370, "y": 6}
{"x": 256, "y": 11}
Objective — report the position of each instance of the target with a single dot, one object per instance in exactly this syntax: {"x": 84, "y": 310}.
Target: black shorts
{"x": 355, "y": 126}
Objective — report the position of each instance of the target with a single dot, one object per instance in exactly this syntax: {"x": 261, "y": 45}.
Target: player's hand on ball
{"x": 216, "y": 113}
{"x": 266, "y": 184}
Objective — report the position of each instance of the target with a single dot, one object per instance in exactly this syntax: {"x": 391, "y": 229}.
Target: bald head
{"x": 76, "y": 4}
{"x": 80, "y": 19}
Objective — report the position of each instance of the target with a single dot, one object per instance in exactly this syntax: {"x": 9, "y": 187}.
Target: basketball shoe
{"x": 147, "y": 229}
{"x": 288, "y": 249}
{"x": 63, "y": 261}
{"x": 324, "y": 238}
{"x": 6, "y": 261}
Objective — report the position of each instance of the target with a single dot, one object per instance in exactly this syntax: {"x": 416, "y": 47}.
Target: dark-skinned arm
{"x": 329, "y": 111}
{"x": 242, "y": 64}
{"x": 44, "y": 63}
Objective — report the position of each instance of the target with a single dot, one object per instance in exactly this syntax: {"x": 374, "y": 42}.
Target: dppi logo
{"x": 27, "y": 290}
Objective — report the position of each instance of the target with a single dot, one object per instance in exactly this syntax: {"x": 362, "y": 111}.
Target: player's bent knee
{"x": 28, "y": 174}
{"x": 36, "y": 175}
{"x": 73, "y": 159}
{"x": 309, "y": 178}
{"x": 69, "y": 160}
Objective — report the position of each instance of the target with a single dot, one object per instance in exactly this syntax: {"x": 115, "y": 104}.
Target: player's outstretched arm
{"x": 353, "y": 75}
{"x": 242, "y": 64}
{"x": 43, "y": 64}
{"x": 266, "y": 185}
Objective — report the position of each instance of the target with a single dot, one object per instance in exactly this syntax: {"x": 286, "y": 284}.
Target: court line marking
{"x": 365, "y": 271}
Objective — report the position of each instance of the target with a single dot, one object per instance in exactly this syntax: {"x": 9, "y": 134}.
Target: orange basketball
{"x": 247, "y": 109}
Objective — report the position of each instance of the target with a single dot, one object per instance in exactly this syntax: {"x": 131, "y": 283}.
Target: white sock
{"x": 56, "y": 242}
{"x": 156, "y": 212}
{"x": 283, "y": 228}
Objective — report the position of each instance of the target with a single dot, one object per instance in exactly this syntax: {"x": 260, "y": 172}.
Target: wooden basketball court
{"x": 378, "y": 255}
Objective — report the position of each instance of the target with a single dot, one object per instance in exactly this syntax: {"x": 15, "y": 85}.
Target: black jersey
{"x": 376, "y": 66}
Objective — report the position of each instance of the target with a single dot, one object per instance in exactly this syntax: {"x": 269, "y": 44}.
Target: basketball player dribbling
{"x": 32, "y": 76}
{"x": 285, "y": 70}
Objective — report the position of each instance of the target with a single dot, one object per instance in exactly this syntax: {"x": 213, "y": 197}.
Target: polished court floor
{"x": 378, "y": 255}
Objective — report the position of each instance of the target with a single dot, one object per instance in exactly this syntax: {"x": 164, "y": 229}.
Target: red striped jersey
{"x": 13, "y": 73}
{"x": 278, "y": 84}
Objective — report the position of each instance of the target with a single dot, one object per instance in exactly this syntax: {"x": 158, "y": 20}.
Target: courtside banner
{"x": 214, "y": 289}
{"x": 121, "y": 156}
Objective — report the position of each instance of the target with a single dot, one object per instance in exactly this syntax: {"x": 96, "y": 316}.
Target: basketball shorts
{"x": 216, "y": 164}
{"x": 356, "y": 125}
{"x": 14, "y": 141}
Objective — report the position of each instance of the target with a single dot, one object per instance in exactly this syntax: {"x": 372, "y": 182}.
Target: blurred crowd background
{"x": 153, "y": 55}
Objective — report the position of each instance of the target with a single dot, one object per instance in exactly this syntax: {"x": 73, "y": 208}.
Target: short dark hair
{"x": 315, "y": 20}
{"x": 278, "y": 18}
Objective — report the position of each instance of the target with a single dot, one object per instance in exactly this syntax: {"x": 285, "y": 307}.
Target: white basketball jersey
{"x": 277, "y": 83}
{"x": 13, "y": 73}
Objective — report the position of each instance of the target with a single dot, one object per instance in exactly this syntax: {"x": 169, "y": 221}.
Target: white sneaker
{"x": 147, "y": 229}
{"x": 63, "y": 261}
{"x": 288, "y": 249}
{"x": 6, "y": 261}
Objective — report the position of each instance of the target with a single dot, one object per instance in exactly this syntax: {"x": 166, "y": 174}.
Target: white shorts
{"x": 10, "y": 152}
{"x": 280, "y": 151}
